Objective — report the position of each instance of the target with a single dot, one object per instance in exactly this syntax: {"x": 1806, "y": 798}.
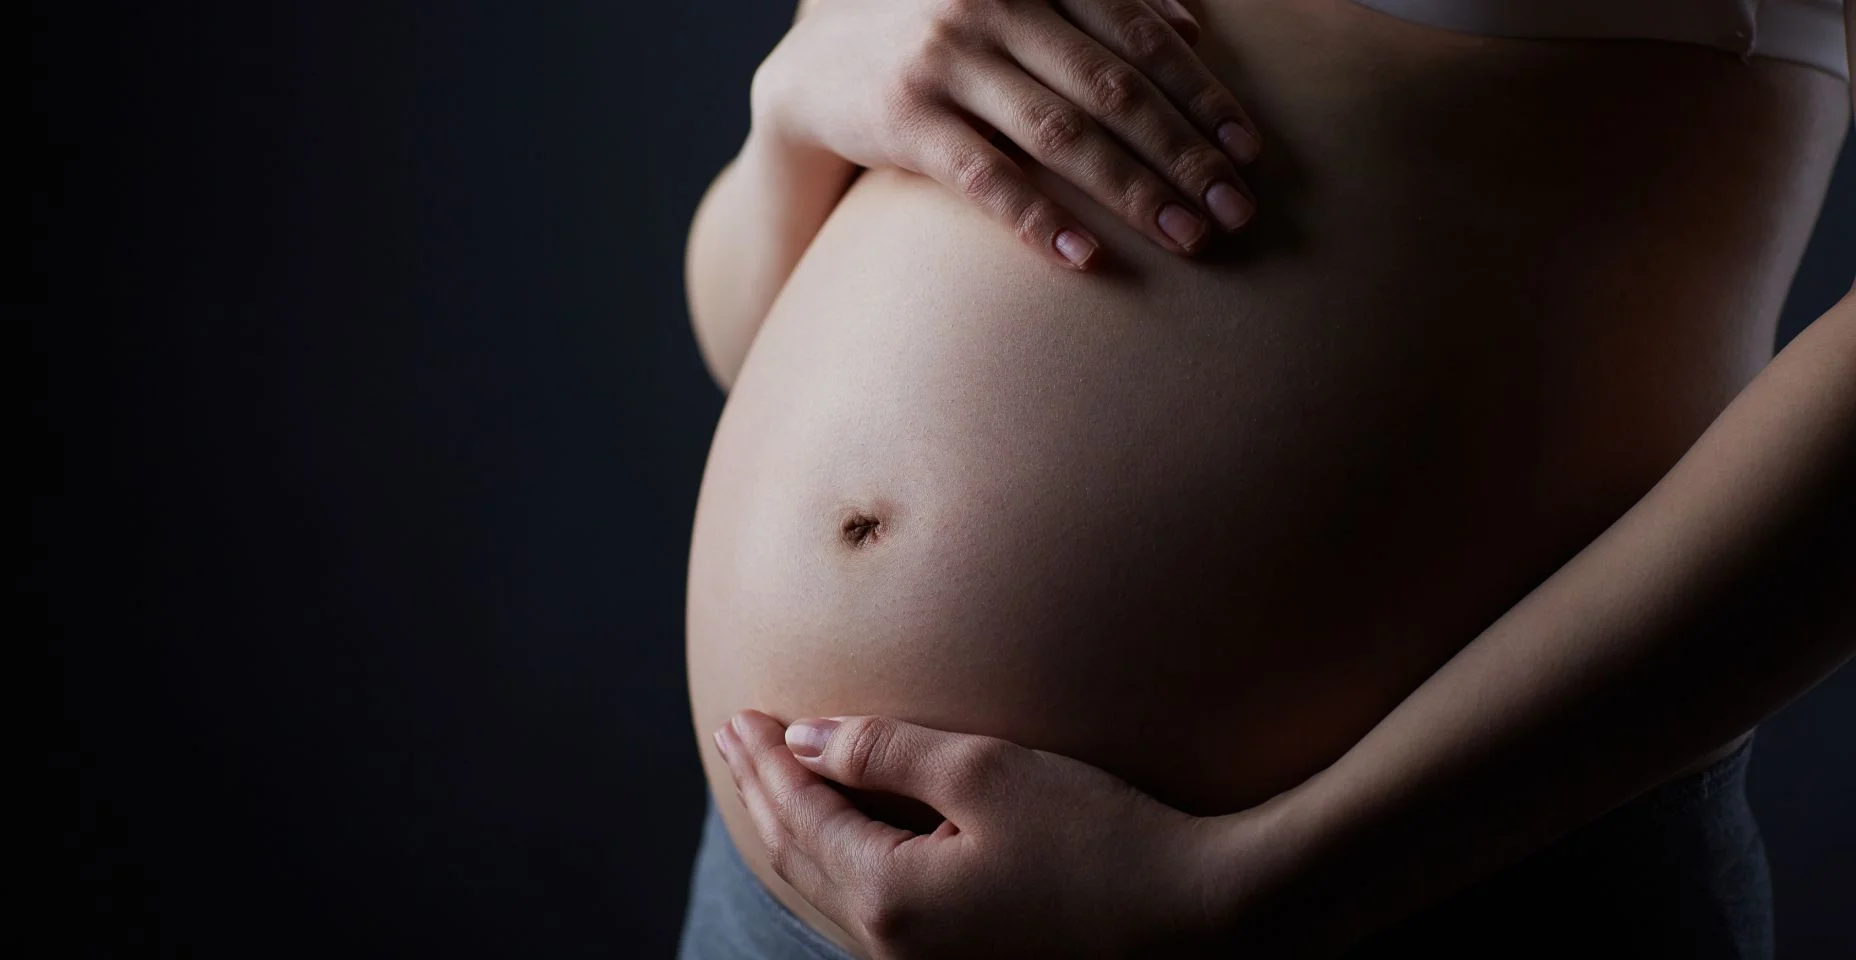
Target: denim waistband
{"x": 1678, "y": 871}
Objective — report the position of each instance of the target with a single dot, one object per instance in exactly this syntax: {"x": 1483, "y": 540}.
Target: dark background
{"x": 366, "y": 429}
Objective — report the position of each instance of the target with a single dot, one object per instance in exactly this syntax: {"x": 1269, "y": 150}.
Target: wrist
{"x": 789, "y": 155}
{"x": 783, "y": 154}
{"x": 774, "y": 127}
{"x": 1265, "y": 882}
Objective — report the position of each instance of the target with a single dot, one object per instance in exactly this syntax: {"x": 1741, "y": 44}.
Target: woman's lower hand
{"x": 1108, "y": 94}
{"x": 1039, "y": 854}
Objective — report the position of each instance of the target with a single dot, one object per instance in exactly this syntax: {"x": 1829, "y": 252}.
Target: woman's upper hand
{"x": 1039, "y": 855}
{"x": 1108, "y": 94}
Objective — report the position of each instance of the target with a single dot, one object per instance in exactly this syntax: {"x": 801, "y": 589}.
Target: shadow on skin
{"x": 894, "y": 809}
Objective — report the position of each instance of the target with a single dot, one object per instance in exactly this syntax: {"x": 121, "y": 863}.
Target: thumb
{"x": 1181, "y": 19}
{"x": 939, "y": 768}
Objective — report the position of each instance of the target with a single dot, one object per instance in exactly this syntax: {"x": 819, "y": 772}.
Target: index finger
{"x": 1132, "y": 31}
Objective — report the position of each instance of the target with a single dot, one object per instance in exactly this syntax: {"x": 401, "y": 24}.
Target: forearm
{"x": 1724, "y": 593}
{"x": 748, "y": 233}
{"x": 751, "y": 228}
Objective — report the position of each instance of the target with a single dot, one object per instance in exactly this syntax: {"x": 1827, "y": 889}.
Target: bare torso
{"x": 1203, "y": 523}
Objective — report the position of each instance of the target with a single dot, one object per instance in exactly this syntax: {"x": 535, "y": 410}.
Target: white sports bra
{"x": 1805, "y": 31}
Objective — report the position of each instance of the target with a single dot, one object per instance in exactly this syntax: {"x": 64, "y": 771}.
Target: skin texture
{"x": 1204, "y": 525}
{"x": 1719, "y": 597}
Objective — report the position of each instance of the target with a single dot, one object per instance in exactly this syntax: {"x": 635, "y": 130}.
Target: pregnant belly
{"x": 1204, "y": 523}
{"x": 1194, "y": 523}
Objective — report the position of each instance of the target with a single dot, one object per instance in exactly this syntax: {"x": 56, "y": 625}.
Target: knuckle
{"x": 779, "y": 852}
{"x": 1145, "y": 37}
{"x": 1198, "y": 165}
{"x": 867, "y": 745}
{"x": 978, "y": 176}
{"x": 955, "y": 11}
{"x": 939, "y": 46}
{"x": 1032, "y": 223}
{"x": 949, "y": 37}
{"x": 983, "y": 761}
{"x": 1114, "y": 88}
{"x": 1212, "y": 103}
{"x": 908, "y": 92}
{"x": 1055, "y": 127}
{"x": 958, "y": 17}
{"x": 907, "y": 108}
{"x": 1137, "y": 196}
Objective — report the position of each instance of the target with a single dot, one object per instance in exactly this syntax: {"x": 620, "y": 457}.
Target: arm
{"x": 1727, "y": 591}
{"x": 748, "y": 233}
{"x": 1724, "y": 593}
{"x": 1105, "y": 93}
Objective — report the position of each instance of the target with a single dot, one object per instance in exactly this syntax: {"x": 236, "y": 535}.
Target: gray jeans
{"x": 1678, "y": 872}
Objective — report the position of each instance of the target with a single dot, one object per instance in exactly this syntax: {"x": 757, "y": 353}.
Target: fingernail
{"x": 1182, "y": 226}
{"x": 1231, "y": 207}
{"x": 1075, "y": 247}
{"x": 721, "y": 744}
{"x": 1240, "y": 143}
{"x": 807, "y": 738}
